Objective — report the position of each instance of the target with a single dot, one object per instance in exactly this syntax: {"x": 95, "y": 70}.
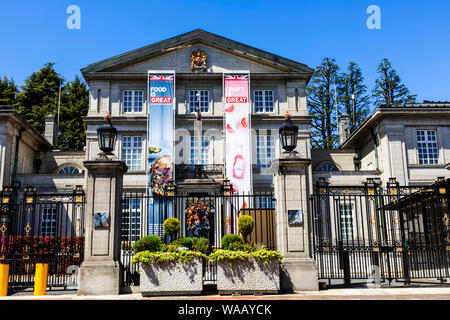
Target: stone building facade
{"x": 406, "y": 141}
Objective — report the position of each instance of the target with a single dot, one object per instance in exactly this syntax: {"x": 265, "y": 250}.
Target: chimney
{"x": 343, "y": 128}
{"x": 50, "y": 129}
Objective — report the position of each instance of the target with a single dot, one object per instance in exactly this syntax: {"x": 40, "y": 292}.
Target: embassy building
{"x": 401, "y": 145}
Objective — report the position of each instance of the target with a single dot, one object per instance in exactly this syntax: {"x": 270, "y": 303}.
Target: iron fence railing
{"x": 401, "y": 233}
{"x": 42, "y": 228}
{"x": 144, "y": 214}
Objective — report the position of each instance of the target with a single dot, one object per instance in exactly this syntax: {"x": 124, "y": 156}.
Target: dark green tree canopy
{"x": 74, "y": 106}
{"x": 388, "y": 87}
{"x": 8, "y": 92}
{"x": 321, "y": 105}
{"x": 39, "y": 96}
{"x": 353, "y": 98}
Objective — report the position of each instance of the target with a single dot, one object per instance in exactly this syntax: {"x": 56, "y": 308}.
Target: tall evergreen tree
{"x": 39, "y": 96}
{"x": 74, "y": 106}
{"x": 388, "y": 87}
{"x": 351, "y": 85}
{"x": 321, "y": 105}
{"x": 8, "y": 92}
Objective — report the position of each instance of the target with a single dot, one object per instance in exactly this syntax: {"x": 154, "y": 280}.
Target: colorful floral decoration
{"x": 160, "y": 174}
{"x": 197, "y": 216}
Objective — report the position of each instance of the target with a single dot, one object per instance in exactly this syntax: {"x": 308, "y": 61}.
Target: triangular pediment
{"x": 175, "y": 54}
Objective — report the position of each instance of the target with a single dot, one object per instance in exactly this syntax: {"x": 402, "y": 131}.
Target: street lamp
{"x": 107, "y": 137}
{"x": 288, "y": 134}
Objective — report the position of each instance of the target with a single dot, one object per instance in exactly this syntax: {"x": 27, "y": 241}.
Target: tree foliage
{"x": 74, "y": 106}
{"x": 388, "y": 87}
{"x": 350, "y": 84}
{"x": 8, "y": 92}
{"x": 321, "y": 105}
{"x": 39, "y": 96}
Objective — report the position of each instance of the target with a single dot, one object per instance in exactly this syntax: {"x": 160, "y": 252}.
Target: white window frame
{"x": 48, "y": 220}
{"x": 263, "y": 159}
{"x": 133, "y": 208}
{"x": 264, "y": 98}
{"x": 204, "y": 150}
{"x": 192, "y": 93}
{"x": 346, "y": 227}
{"x": 427, "y": 159}
{"x": 133, "y": 149}
{"x": 133, "y": 101}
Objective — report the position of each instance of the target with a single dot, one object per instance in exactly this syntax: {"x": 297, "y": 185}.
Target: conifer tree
{"x": 321, "y": 105}
{"x": 74, "y": 106}
{"x": 8, "y": 92}
{"x": 353, "y": 98}
{"x": 388, "y": 87}
{"x": 39, "y": 96}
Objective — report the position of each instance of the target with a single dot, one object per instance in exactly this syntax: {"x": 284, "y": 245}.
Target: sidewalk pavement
{"x": 428, "y": 293}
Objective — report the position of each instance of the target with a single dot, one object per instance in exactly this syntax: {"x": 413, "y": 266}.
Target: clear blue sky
{"x": 415, "y": 35}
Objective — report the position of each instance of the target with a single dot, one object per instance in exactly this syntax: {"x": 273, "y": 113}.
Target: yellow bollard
{"x": 40, "y": 279}
{"x": 4, "y": 272}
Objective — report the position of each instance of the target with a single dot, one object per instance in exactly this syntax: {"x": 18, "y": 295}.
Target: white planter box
{"x": 172, "y": 278}
{"x": 248, "y": 276}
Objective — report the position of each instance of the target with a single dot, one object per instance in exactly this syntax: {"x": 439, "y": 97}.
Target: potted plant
{"x": 168, "y": 269}
{"x": 246, "y": 268}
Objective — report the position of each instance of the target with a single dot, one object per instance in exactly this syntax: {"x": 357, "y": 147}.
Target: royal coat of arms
{"x": 198, "y": 60}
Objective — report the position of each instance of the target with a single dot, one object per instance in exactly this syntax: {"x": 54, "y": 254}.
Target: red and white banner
{"x": 238, "y": 161}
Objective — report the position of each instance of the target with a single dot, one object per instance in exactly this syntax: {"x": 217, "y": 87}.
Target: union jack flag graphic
{"x": 235, "y": 77}
{"x": 161, "y": 78}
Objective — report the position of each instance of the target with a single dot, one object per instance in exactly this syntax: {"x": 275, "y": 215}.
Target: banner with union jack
{"x": 160, "y": 139}
{"x": 238, "y": 162}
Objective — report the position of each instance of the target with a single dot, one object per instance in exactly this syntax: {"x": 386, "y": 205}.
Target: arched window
{"x": 327, "y": 167}
{"x": 68, "y": 170}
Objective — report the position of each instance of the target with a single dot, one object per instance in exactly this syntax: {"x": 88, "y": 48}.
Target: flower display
{"x": 197, "y": 216}
{"x": 160, "y": 174}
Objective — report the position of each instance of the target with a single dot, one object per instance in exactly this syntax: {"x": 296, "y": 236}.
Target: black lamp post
{"x": 107, "y": 137}
{"x": 288, "y": 135}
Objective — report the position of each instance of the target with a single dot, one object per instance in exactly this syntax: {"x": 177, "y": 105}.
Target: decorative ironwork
{"x": 404, "y": 232}
{"x": 3, "y": 229}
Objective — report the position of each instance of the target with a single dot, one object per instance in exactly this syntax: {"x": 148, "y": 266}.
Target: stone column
{"x": 100, "y": 271}
{"x": 292, "y": 184}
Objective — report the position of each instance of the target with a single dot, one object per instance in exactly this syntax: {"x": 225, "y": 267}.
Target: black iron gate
{"x": 144, "y": 214}
{"x": 395, "y": 233}
{"x": 42, "y": 228}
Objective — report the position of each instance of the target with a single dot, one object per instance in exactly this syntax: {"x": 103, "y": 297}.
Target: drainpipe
{"x": 377, "y": 165}
{"x": 16, "y": 157}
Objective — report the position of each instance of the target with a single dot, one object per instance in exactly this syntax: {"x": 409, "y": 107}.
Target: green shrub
{"x": 245, "y": 225}
{"x": 184, "y": 242}
{"x": 171, "y": 226}
{"x": 260, "y": 255}
{"x": 200, "y": 244}
{"x": 150, "y": 243}
{"x": 230, "y": 238}
{"x": 147, "y": 257}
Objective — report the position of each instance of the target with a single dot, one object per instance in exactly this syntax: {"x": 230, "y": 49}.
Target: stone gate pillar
{"x": 100, "y": 271}
{"x": 291, "y": 183}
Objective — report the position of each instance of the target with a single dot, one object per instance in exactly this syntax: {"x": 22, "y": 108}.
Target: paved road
{"x": 419, "y": 293}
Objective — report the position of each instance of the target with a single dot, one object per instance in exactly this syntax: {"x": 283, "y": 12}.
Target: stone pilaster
{"x": 291, "y": 183}
{"x": 100, "y": 271}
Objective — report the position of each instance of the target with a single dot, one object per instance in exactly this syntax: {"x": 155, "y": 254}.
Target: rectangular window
{"x": 198, "y": 99}
{"x": 204, "y": 150}
{"x": 133, "y": 101}
{"x": 264, "y": 100}
{"x": 131, "y": 219}
{"x": 427, "y": 147}
{"x": 263, "y": 202}
{"x": 48, "y": 221}
{"x": 346, "y": 217}
{"x": 265, "y": 150}
{"x": 132, "y": 152}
